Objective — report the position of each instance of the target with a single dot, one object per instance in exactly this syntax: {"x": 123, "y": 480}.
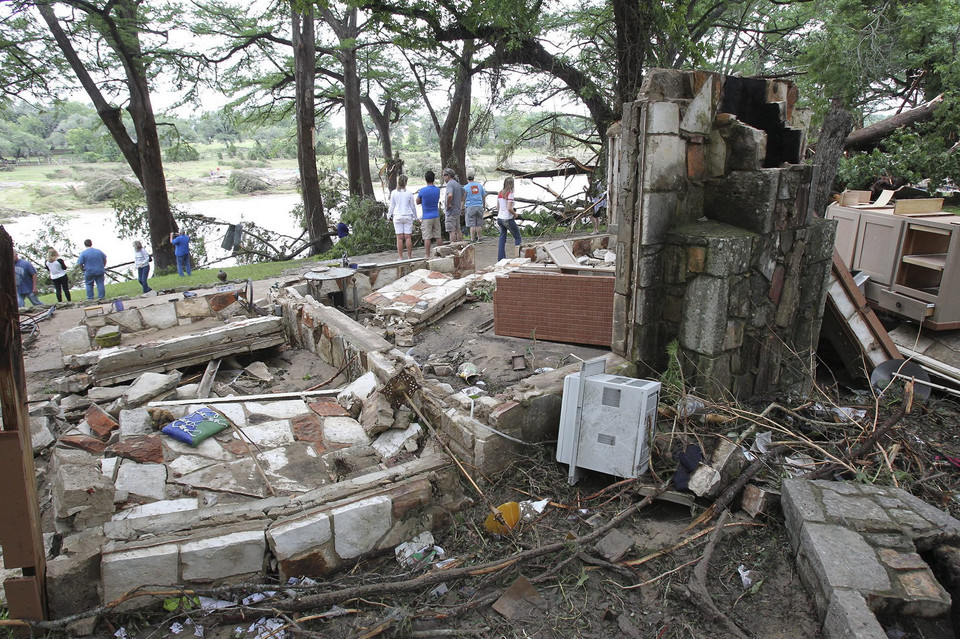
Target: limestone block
{"x": 270, "y": 434}
{"x": 148, "y": 386}
{"x": 40, "y": 434}
{"x": 135, "y": 421}
{"x": 127, "y": 569}
{"x": 728, "y": 250}
{"x": 84, "y": 493}
{"x": 394, "y": 441}
{"x": 74, "y": 341}
{"x": 659, "y": 213}
{"x": 849, "y": 617}
{"x": 142, "y": 480}
{"x": 104, "y": 394}
{"x": 376, "y": 414}
{"x": 660, "y": 84}
{"x": 716, "y": 156}
{"x": 748, "y": 147}
{"x": 360, "y": 525}
{"x": 841, "y": 559}
{"x": 357, "y": 390}
{"x": 187, "y": 391}
{"x": 192, "y": 307}
{"x": 108, "y": 466}
{"x": 284, "y": 409}
{"x": 705, "y": 319}
{"x": 159, "y": 316}
{"x": 234, "y": 412}
{"x": 698, "y": 119}
{"x": 343, "y": 430}
{"x": 71, "y": 582}
{"x": 226, "y": 555}
{"x": 744, "y": 199}
{"x": 158, "y": 508}
{"x": 129, "y": 321}
{"x": 663, "y": 117}
{"x": 666, "y": 163}
{"x": 299, "y": 535}
{"x": 441, "y": 264}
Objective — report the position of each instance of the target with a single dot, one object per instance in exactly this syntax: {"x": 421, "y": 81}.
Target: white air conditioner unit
{"x": 606, "y": 422}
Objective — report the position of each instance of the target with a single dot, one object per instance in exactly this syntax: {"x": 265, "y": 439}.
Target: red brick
{"x": 100, "y": 422}
{"x": 143, "y": 449}
{"x": 307, "y": 428}
{"x": 329, "y": 408}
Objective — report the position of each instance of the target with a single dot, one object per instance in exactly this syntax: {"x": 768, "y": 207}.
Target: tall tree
{"x": 304, "y": 55}
{"x": 116, "y": 27}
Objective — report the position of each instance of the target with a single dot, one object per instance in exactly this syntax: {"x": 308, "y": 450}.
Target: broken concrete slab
{"x": 105, "y": 394}
{"x": 259, "y": 371}
{"x": 269, "y": 434}
{"x": 376, "y": 414}
{"x": 344, "y": 430}
{"x": 283, "y": 409}
{"x": 239, "y": 476}
{"x": 41, "y": 437}
{"x": 143, "y": 449}
{"x": 421, "y": 297}
{"x": 100, "y": 422}
{"x": 134, "y": 422}
{"x": 149, "y": 386}
{"x": 124, "y": 570}
{"x": 232, "y": 552}
{"x": 394, "y": 441}
{"x": 82, "y": 492}
{"x": 74, "y": 341}
{"x": 147, "y": 481}
{"x": 360, "y": 525}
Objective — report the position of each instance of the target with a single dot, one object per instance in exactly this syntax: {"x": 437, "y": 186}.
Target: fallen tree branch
{"x": 828, "y": 469}
{"x": 696, "y": 589}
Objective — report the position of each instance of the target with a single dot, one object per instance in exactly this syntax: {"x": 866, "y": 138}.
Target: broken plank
{"x": 206, "y": 383}
{"x": 245, "y": 398}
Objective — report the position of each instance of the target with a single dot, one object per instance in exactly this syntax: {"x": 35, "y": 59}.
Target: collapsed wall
{"x": 716, "y": 248}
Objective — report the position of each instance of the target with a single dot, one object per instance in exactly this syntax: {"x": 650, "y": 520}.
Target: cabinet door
{"x": 848, "y": 223}
{"x": 878, "y": 238}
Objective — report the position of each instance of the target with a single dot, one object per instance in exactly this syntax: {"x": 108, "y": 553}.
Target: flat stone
{"x": 239, "y": 476}
{"x": 108, "y": 466}
{"x": 148, "y": 386}
{"x": 260, "y": 371}
{"x": 143, "y": 449}
{"x": 663, "y": 117}
{"x": 284, "y": 409}
{"x": 148, "y": 481}
{"x": 164, "y": 507}
{"x": 846, "y": 508}
{"x": 930, "y": 513}
{"x": 136, "y": 421}
{"x": 298, "y": 535}
{"x": 40, "y": 435}
{"x": 849, "y": 617}
{"x": 395, "y": 441}
{"x": 704, "y": 481}
{"x": 233, "y": 412}
{"x": 902, "y": 560}
{"x": 615, "y": 545}
{"x": 74, "y": 341}
{"x": 360, "y": 525}
{"x": 84, "y": 493}
{"x": 343, "y": 430}
{"x": 269, "y": 434}
{"x": 159, "y": 315}
{"x": 192, "y": 307}
{"x": 841, "y": 558}
{"x": 84, "y": 442}
{"x": 800, "y": 505}
{"x": 226, "y": 555}
{"x": 100, "y": 422}
{"x": 295, "y": 467}
{"x": 129, "y": 320}
{"x": 357, "y": 390}
{"x": 698, "y": 118}
{"x": 925, "y": 596}
{"x": 127, "y": 569}
{"x": 71, "y": 583}
{"x": 187, "y": 391}
{"x": 186, "y": 464}
{"x": 106, "y": 393}
{"x": 209, "y": 448}
{"x": 329, "y": 409}
{"x": 308, "y": 428}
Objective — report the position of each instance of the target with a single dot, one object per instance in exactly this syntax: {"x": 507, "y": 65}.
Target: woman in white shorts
{"x": 402, "y": 212}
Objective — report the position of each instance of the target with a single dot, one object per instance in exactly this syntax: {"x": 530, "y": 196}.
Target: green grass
{"x": 199, "y": 277}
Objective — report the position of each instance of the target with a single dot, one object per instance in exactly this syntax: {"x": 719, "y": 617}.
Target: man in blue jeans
{"x": 26, "y": 278}
{"x": 181, "y": 249}
{"x": 93, "y": 263}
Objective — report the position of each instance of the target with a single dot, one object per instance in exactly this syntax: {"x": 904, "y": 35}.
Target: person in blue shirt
{"x": 93, "y": 263}
{"x": 474, "y": 201}
{"x": 181, "y": 250}
{"x": 428, "y": 198}
{"x": 26, "y": 277}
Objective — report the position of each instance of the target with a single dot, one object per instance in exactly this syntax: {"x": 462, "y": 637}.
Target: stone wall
{"x": 715, "y": 248}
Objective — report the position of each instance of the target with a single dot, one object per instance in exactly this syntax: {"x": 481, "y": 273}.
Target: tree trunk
{"x": 381, "y": 120}
{"x": 363, "y": 145}
{"x": 836, "y": 126}
{"x": 868, "y": 137}
{"x": 304, "y": 44}
{"x": 455, "y": 129}
{"x": 632, "y": 27}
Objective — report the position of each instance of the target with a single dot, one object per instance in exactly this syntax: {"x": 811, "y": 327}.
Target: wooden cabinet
{"x": 913, "y": 262}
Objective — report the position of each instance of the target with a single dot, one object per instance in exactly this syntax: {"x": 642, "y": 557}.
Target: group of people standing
{"x": 469, "y": 198}
{"x": 93, "y": 263}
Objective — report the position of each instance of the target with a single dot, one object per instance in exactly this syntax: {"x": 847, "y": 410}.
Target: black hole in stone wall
{"x": 746, "y": 98}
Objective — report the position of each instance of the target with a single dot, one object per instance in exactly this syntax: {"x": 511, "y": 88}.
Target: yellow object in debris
{"x": 510, "y": 512}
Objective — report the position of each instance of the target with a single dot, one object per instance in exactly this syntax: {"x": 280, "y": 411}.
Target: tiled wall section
{"x": 556, "y": 307}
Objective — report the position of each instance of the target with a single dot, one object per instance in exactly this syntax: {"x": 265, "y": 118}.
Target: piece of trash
{"x": 440, "y": 590}
{"x": 595, "y": 520}
{"x": 799, "y": 464}
{"x": 453, "y": 562}
{"x": 301, "y": 581}
{"x": 519, "y": 362}
{"x": 746, "y": 576}
{"x": 689, "y": 406}
{"x": 510, "y": 512}
{"x": 543, "y": 369}
{"x": 198, "y": 631}
{"x": 615, "y": 545}
{"x": 529, "y": 510}
{"x": 473, "y": 392}
{"x": 468, "y": 371}
{"x": 468, "y": 592}
{"x": 207, "y": 604}
{"x": 520, "y": 600}
{"x": 188, "y": 294}
{"x": 421, "y": 306}
{"x": 687, "y": 461}
{"x": 176, "y": 628}
{"x": 268, "y": 629}
{"x": 121, "y": 633}
{"x": 418, "y": 551}
{"x": 257, "y": 597}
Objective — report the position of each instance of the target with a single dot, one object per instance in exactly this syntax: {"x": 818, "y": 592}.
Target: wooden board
{"x": 924, "y": 205}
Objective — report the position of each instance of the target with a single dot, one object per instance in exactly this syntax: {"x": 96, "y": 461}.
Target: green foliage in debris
{"x": 909, "y": 154}
{"x": 370, "y": 230}
{"x": 671, "y": 379}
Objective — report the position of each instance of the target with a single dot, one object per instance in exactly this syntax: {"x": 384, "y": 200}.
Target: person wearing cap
{"x": 428, "y": 197}
{"x": 453, "y": 205}
{"x": 475, "y": 195}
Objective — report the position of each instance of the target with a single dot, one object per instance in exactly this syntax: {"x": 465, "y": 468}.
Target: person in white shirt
{"x": 403, "y": 212}
{"x": 506, "y": 218}
{"x": 141, "y": 259}
{"x": 58, "y": 274}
